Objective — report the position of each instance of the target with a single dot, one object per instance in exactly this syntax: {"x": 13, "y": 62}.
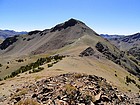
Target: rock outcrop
{"x": 65, "y": 25}
{"x": 7, "y": 42}
{"x": 87, "y": 52}
{"x": 119, "y": 58}
{"x": 70, "y": 89}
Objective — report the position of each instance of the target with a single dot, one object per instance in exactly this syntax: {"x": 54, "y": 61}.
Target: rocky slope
{"x": 37, "y": 42}
{"x": 70, "y": 89}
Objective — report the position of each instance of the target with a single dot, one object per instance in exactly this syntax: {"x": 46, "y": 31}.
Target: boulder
{"x": 17, "y": 99}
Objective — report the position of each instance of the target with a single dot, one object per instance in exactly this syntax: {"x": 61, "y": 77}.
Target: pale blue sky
{"x": 103, "y": 16}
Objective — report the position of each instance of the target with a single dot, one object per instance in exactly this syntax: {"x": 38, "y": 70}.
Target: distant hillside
{"x": 130, "y": 44}
{"x": 9, "y": 33}
{"x": 111, "y": 36}
{"x": 127, "y": 42}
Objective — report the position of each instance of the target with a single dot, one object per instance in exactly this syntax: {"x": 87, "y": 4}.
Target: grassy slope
{"x": 14, "y": 65}
{"x": 100, "y": 67}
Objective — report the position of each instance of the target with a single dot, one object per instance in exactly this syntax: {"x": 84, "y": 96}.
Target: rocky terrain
{"x": 70, "y": 89}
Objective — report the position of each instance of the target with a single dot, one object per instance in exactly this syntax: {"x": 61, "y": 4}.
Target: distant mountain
{"x": 127, "y": 42}
{"x": 9, "y": 33}
{"x": 111, "y": 36}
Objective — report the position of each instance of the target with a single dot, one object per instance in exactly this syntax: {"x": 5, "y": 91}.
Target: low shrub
{"x": 37, "y": 70}
{"x": 0, "y": 79}
{"x": 1, "y": 65}
{"x": 50, "y": 65}
{"x": 20, "y": 60}
{"x": 35, "y": 65}
{"x": 129, "y": 80}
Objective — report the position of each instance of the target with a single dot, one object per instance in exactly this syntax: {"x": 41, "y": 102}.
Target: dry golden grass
{"x": 20, "y": 93}
{"x": 69, "y": 89}
{"x": 28, "y": 102}
{"x": 100, "y": 67}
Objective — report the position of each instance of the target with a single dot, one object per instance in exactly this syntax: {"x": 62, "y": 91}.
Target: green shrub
{"x": 50, "y": 65}
{"x": 129, "y": 80}
{"x": 1, "y": 65}
{"x": 139, "y": 79}
{"x": 58, "y": 57}
{"x": 138, "y": 86}
{"x": 20, "y": 60}
{"x": 34, "y": 66}
{"x": 41, "y": 68}
{"x": 37, "y": 70}
{"x": 129, "y": 90}
{"x": 30, "y": 72}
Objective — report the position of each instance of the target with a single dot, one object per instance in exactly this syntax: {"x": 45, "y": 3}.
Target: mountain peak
{"x": 71, "y": 22}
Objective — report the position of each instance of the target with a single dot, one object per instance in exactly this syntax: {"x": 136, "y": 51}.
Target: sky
{"x": 103, "y": 16}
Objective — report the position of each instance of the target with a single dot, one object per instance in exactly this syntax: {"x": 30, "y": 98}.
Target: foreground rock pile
{"x": 70, "y": 89}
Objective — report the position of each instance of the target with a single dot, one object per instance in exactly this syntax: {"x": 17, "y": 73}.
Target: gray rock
{"x": 87, "y": 52}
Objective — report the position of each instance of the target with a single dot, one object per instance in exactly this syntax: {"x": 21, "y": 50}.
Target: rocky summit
{"x": 70, "y": 89}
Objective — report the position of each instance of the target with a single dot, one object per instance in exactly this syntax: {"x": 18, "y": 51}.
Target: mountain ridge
{"x": 62, "y": 38}
{"x": 126, "y": 42}
{"x": 59, "y": 33}
{"x": 107, "y": 36}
